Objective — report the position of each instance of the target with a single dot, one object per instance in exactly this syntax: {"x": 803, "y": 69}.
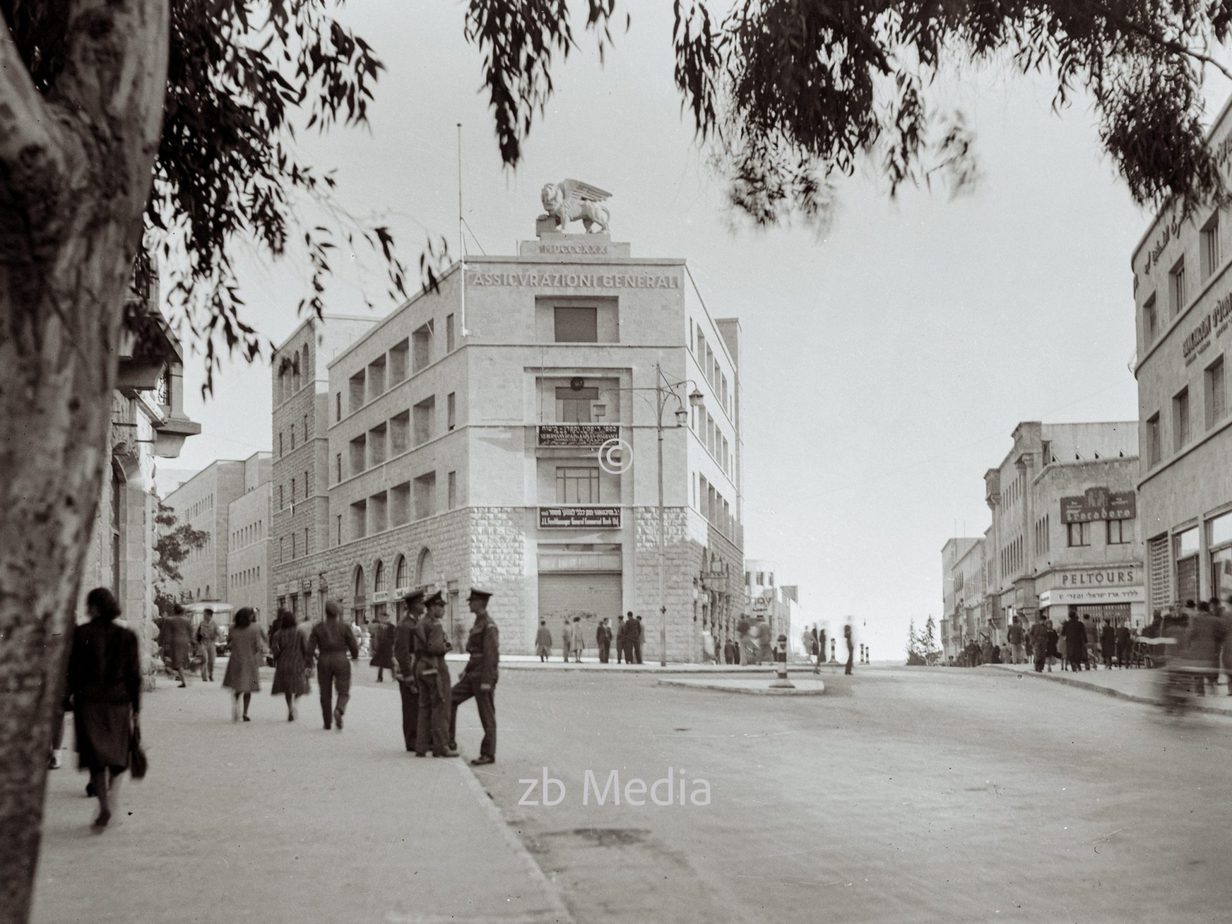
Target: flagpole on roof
{"x": 461, "y": 239}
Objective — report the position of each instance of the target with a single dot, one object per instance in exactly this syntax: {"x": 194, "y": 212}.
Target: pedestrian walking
{"x": 207, "y": 643}
{"x": 290, "y": 651}
{"x": 1054, "y": 645}
{"x": 603, "y": 636}
{"x": 1124, "y": 645}
{"x": 851, "y": 647}
{"x": 1074, "y": 636}
{"x": 479, "y": 677}
{"x": 246, "y": 648}
{"x": 104, "y": 690}
{"x": 1039, "y": 642}
{"x": 178, "y": 640}
{"x": 579, "y": 641}
{"x": 432, "y": 676}
{"x": 404, "y": 667}
{"x": 1107, "y": 643}
{"x": 620, "y": 639}
{"x": 383, "y": 647}
{"x": 1017, "y": 637}
{"x": 329, "y": 644}
{"x": 1091, "y": 638}
{"x": 566, "y": 640}
{"x": 638, "y": 636}
{"x": 543, "y": 640}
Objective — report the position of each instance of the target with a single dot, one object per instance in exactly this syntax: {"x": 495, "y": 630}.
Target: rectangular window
{"x": 1210, "y": 246}
{"x": 359, "y": 449}
{"x": 1176, "y": 287}
{"x": 425, "y": 420}
{"x": 305, "y": 428}
{"x": 1216, "y": 393}
{"x": 1154, "y": 442}
{"x": 397, "y": 361}
{"x": 425, "y": 495}
{"x": 449, "y": 333}
{"x": 1150, "y": 321}
{"x": 292, "y": 437}
{"x": 337, "y": 406}
{"x": 1180, "y": 419}
{"x": 338, "y": 527}
{"x": 1079, "y": 534}
{"x": 293, "y": 490}
{"x": 575, "y": 485}
{"x": 451, "y": 409}
{"x": 577, "y": 325}
{"x": 305, "y": 540}
{"x": 293, "y": 545}
{"x": 338, "y": 467}
{"x": 421, "y": 345}
{"x": 280, "y": 444}
{"x": 305, "y": 486}
{"x": 573, "y": 404}
{"x": 453, "y": 490}
{"x": 1120, "y": 532}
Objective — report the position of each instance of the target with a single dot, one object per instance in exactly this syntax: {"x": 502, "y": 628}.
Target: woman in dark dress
{"x": 104, "y": 683}
{"x": 244, "y": 662}
{"x": 289, "y": 647}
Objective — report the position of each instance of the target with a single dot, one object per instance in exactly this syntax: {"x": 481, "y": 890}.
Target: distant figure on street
{"x": 1124, "y": 645}
{"x": 851, "y": 647}
{"x": 178, "y": 641}
{"x": 566, "y": 642}
{"x": 290, "y": 651}
{"x": 405, "y": 637}
{"x": 620, "y": 639}
{"x": 1075, "y": 637}
{"x": 1107, "y": 643}
{"x": 243, "y": 665}
{"x": 814, "y": 649}
{"x": 479, "y": 677}
{"x": 1054, "y": 642}
{"x": 382, "y": 647}
{"x": 579, "y": 642}
{"x": 638, "y": 636}
{"x": 432, "y": 675}
{"x": 543, "y": 640}
{"x": 207, "y": 639}
{"x": 1017, "y": 637}
{"x": 104, "y": 688}
{"x": 1039, "y": 642}
{"x": 603, "y": 636}
{"x": 334, "y": 640}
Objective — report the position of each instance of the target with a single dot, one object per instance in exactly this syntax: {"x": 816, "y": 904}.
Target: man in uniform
{"x": 628, "y": 632}
{"x": 404, "y": 668}
{"x": 620, "y": 639}
{"x": 478, "y": 678}
{"x": 604, "y": 637}
{"x": 432, "y": 676}
{"x": 638, "y": 635}
{"x": 207, "y": 635}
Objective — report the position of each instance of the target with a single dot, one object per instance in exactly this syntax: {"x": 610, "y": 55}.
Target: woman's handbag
{"x": 138, "y": 763}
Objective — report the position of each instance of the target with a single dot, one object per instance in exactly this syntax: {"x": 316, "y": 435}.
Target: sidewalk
{"x": 592, "y": 663}
{"x": 1134, "y": 683}
{"x": 279, "y": 821}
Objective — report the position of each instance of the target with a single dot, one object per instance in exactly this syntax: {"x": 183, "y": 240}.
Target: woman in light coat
{"x": 244, "y": 663}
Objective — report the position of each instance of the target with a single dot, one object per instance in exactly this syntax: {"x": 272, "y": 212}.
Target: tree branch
{"x": 1177, "y": 48}
{"x": 28, "y": 134}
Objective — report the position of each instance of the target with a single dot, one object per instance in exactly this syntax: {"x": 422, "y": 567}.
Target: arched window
{"x": 378, "y": 577}
{"x": 424, "y": 573}
{"x": 400, "y": 572}
{"x": 303, "y": 364}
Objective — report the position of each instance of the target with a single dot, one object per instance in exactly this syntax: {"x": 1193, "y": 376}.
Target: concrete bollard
{"x": 780, "y": 666}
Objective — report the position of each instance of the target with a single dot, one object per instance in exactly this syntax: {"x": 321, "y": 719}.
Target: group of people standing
{"x": 627, "y": 635}
{"x": 1201, "y": 642}
{"x": 1079, "y": 644}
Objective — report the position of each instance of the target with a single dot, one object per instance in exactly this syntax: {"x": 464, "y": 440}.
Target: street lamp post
{"x": 664, "y": 389}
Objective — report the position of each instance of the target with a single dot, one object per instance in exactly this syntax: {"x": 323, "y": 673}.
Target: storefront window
{"x": 1220, "y": 530}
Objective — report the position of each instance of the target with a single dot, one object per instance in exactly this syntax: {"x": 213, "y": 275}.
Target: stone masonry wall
{"x": 682, "y": 561}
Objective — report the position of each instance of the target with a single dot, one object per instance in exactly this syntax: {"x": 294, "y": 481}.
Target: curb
{"x": 559, "y": 911}
{"x": 1109, "y": 691}
{"x": 751, "y": 691}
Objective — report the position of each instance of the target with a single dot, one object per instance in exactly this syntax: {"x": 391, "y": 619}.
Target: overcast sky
{"x": 914, "y": 337}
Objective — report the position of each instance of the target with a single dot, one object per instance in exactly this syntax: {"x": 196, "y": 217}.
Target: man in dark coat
{"x": 382, "y": 647}
{"x": 620, "y": 639}
{"x": 404, "y": 673}
{"x": 1203, "y": 639}
{"x": 603, "y": 635}
{"x": 638, "y": 634}
{"x": 1039, "y": 642}
{"x": 479, "y": 677}
{"x": 432, "y": 676}
{"x": 1075, "y": 634}
{"x": 1124, "y": 644}
{"x": 1107, "y": 643}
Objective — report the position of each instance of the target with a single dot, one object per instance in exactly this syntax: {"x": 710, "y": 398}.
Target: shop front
{"x": 1114, "y": 593}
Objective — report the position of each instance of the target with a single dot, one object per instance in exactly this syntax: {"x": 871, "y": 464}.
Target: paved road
{"x": 898, "y": 796}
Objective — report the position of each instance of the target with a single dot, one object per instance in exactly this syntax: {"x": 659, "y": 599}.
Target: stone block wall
{"x": 682, "y": 562}
{"x": 496, "y": 543}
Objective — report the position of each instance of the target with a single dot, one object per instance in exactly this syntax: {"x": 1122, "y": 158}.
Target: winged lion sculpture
{"x": 573, "y": 200}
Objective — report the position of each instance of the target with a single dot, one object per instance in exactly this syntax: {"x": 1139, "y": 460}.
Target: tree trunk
{"x": 75, "y": 173}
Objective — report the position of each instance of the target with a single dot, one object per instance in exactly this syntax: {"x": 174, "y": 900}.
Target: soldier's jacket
{"x": 430, "y": 648}
{"x": 404, "y": 651}
{"x": 483, "y": 646}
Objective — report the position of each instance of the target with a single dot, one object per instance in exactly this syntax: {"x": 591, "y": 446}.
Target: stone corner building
{"x": 457, "y": 442}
